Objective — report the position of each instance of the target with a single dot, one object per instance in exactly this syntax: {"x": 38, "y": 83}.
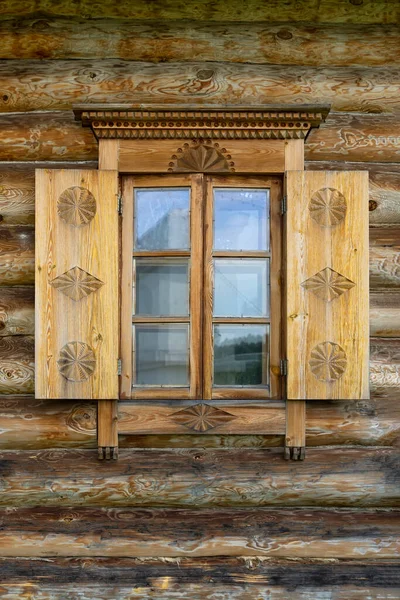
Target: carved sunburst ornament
{"x": 328, "y": 284}
{"x": 328, "y": 361}
{"x": 201, "y": 158}
{"x": 76, "y": 206}
{"x": 328, "y": 207}
{"x": 77, "y": 361}
{"x": 201, "y": 417}
{"x": 76, "y": 283}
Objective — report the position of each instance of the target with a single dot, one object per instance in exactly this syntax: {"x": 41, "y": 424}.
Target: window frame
{"x": 200, "y": 317}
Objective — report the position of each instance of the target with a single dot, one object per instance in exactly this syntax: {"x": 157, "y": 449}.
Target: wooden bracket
{"x": 107, "y": 429}
{"x": 295, "y": 440}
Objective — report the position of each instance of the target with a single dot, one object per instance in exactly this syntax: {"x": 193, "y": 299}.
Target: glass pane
{"x": 162, "y": 356}
{"x": 241, "y": 287}
{"x": 241, "y": 355}
{"x": 162, "y": 218}
{"x": 162, "y": 287}
{"x": 241, "y": 219}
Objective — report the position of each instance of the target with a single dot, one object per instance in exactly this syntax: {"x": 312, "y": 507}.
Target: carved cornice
{"x": 200, "y": 123}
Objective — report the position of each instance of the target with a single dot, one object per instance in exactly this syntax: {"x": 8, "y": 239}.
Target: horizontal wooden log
{"x": 125, "y": 532}
{"x": 57, "y": 85}
{"x": 17, "y": 189}
{"x": 156, "y": 575}
{"x": 384, "y": 263}
{"x": 385, "y": 367}
{"x": 26, "y": 423}
{"x": 329, "y": 11}
{"x": 17, "y": 311}
{"x": 384, "y": 188}
{"x": 341, "y": 477}
{"x": 300, "y": 44}
{"x": 384, "y": 313}
{"x": 17, "y": 251}
{"x": 53, "y": 136}
{"x": 17, "y": 364}
{"x": 165, "y": 589}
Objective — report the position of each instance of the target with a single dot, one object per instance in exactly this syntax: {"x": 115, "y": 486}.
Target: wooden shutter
{"x": 76, "y": 284}
{"x": 327, "y": 284}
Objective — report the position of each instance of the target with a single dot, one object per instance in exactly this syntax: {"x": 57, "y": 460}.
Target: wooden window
{"x": 201, "y": 297}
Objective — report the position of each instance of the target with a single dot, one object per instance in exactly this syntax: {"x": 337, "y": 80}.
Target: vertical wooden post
{"x": 295, "y": 439}
{"x": 107, "y": 410}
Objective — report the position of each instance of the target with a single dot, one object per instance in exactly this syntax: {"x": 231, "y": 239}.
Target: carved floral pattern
{"x": 328, "y": 361}
{"x": 328, "y": 207}
{"x": 328, "y": 284}
{"x": 76, "y": 206}
{"x": 77, "y": 361}
{"x": 201, "y": 417}
{"x": 201, "y": 158}
{"x": 76, "y": 283}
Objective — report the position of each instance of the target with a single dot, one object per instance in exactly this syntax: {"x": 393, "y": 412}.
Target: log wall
{"x": 198, "y": 517}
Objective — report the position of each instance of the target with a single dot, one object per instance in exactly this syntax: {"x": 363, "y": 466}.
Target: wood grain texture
{"x": 57, "y": 85}
{"x": 384, "y": 314}
{"x": 17, "y": 311}
{"x": 327, "y": 324}
{"x": 17, "y": 251}
{"x": 26, "y": 423}
{"x": 300, "y": 44}
{"x": 125, "y": 532}
{"x": 367, "y": 477}
{"x": 17, "y": 364}
{"x": 330, "y": 11}
{"x": 87, "y": 325}
{"x": 385, "y": 367}
{"x": 384, "y": 266}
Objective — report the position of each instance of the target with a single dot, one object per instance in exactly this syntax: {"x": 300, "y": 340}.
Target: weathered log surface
{"x": 384, "y": 188}
{"x": 385, "y": 367}
{"x": 125, "y": 532}
{"x": 56, "y": 136}
{"x": 26, "y": 423}
{"x": 17, "y": 364}
{"x": 17, "y": 311}
{"x": 329, "y": 11}
{"x": 164, "y": 588}
{"x": 170, "y": 574}
{"x": 341, "y": 477}
{"x": 17, "y": 189}
{"x": 280, "y": 43}
{"x": 384, "y": 263}
{"x": 384, "y": 315}
{"x": 17, "y": 251}
{"x": 57, "y": 85}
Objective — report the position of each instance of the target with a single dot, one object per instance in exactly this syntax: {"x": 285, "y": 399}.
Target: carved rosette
{"x": 76, "y": 206}
{"x": 328, "y": 207}
{"x": 201, "y": 417}
{"x": 328, "y": 284}
{"x": 201, "y": 158}
{"x": 76, "y": 362}
{"x": 328, "y": 362}
{"x": 76, "y": 283}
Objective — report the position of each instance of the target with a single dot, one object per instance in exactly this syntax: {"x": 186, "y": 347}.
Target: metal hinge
{"x": 119, "y": 204}
{"x": 119, "y": 366}
{"x": 284, "y": 205}
{"x": 284, "y": 367}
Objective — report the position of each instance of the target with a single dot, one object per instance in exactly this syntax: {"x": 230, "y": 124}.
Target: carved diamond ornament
{"x": 328, "y": 284}
{"x": 77, "y": 361}
{"x": 76, "y": 283}
{"x": 201, "y": 417}
{"x": 201, "y": 158}
{"x": 328, "y": 361}
{"x": 76, "y": 206}
{"x": 328, "y": 207}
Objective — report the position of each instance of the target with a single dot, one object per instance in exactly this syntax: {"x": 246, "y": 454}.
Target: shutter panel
{"x": 76, "y": 284}
{"x": 327, "y": 311}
